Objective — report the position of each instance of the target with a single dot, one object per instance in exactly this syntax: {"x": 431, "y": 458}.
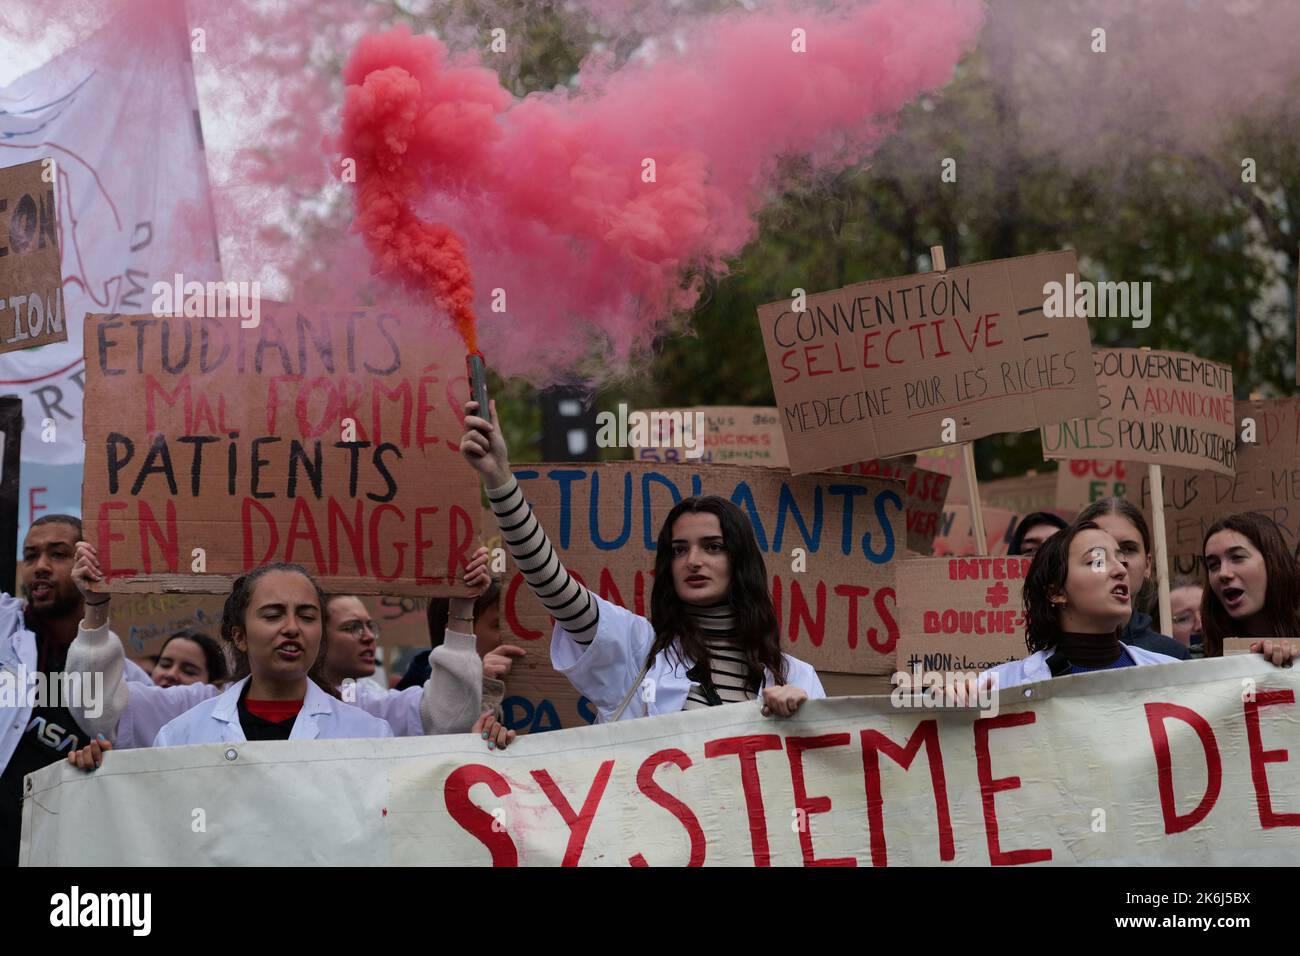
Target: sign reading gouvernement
{"x": 1165, "y": 408}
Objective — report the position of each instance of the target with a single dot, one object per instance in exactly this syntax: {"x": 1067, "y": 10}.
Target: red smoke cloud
{"x": 550, "y": 199}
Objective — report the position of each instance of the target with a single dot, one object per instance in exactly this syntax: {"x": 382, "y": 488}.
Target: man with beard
{"x": 34, "y": 640}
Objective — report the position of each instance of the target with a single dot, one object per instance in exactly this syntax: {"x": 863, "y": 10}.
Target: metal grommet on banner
{"x": 232, "y": 754}
{"x": 1029, "y": 692}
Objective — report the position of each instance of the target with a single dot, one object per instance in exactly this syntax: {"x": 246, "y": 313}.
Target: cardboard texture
{"x": 961, "y": 614}
{"x": 1022, "y": 495}
{"x": 203, "y": 434}
{"x": 733, "y": 435}
{"x": 1164, "y": 408}
{"x": 927, "y": 492}
{"x": 836, "y": 611}
{"x": 743, "y": 435}
{"x": 957, "y": 536}
{"x": 947, "y": 459}
{"x": 874, "y": 369}
{"x": 1233, "y": 646}
{"x": 31, "y": 282}
{"x": 1267, "y": 480}
{"x": 1081, "y": 481}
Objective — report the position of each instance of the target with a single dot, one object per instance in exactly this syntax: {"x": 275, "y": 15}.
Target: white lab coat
{"x": 133, "y": 713}
{"x": 18, "y": 657}
{"x": 604, "y": 670}
{"x": 322, "y": 718}
{"x": 1034, "y": 667}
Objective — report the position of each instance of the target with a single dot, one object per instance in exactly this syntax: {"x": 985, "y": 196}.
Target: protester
{"x": 483, "y": 616}
{"x": 350, "y": 662}
{"x": 133, "y": 716}
{"x": 1254, "y": 587}
{"x": 712, "y": 636}
{"x": 1033, "y": 530}
{"x": 1185, "y": 606}
{"x": 189, "y": 657}
{"x": 1124, "y": 522}
{"x": 34, "y": 640}
{"x": 1078, "y": 599}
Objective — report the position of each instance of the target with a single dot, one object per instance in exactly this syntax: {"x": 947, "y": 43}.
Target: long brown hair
{"x": 757, "y": 628}
{"x": 235, "y": 611}
{"x": 1281, "y": 611}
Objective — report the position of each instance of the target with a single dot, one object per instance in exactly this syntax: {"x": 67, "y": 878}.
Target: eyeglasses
{"x": 356, "y": 628}
{"x": 1186, "y": 617}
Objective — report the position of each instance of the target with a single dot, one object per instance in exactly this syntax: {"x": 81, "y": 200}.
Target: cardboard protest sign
{"x": 1165, "y": 408}
{"x": 948, "y": 460}
{"x": 829, "y": 541}
{"x": 320, "y": 436}
{"x": 961, "y": 614}
{"x": 1022, "y": 494}
{"x": 957, "y": 537}
{"x": 145, "y": 621}
{"x": 1267, "y": 481}
{"x": 1233, "y": 646}
{"x": 879, "y": 368}
{"x": 752, "y": 436}
{"x": 1185, "y": 771}
{"x": 31, "y": 282}
{"x": 737, "y": 435}
{"x": 927, "y": 492}
{"x": 1081, "y": 481}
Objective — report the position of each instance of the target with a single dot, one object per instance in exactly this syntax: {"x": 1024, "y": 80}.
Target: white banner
{"x": 118, "y": 116}
{"x": 1177, "y": 764}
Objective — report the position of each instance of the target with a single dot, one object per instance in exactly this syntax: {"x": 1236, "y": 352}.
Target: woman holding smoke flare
{"x": 712, "y": 636}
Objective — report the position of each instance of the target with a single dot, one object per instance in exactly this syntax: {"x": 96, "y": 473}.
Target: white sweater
{"x": 133, "y": 713}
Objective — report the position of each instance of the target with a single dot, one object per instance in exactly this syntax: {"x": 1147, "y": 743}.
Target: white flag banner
{"x": 1177, "y": 764}
{"x": 118, "y": 115}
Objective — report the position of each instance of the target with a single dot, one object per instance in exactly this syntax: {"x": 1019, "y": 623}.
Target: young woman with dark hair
{"x": 272, "y": 620}
{"x": 1123, "y": 521}
{"x": 136, "y": 715}
{"x": 1077, "y": 602}
{"x": 189, "y": 657}
{"x": 1253, "y": 587}
{"x": 712, "y": 636}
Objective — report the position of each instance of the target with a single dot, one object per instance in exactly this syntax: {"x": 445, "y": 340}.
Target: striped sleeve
{"x": 573, "y": 606}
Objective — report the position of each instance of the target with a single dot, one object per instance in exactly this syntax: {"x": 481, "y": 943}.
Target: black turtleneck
{"x": 1089, "y": 650}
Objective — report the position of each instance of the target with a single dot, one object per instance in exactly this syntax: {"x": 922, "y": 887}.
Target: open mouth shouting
{"x": 289, "y": 651}
{"x": 1233, "y": 597}
{"x": 1120, "y": 593}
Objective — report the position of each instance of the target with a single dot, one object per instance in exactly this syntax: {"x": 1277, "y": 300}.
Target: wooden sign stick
{"x": 1156, "y": 480}
{"x": 939, "y": 264}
